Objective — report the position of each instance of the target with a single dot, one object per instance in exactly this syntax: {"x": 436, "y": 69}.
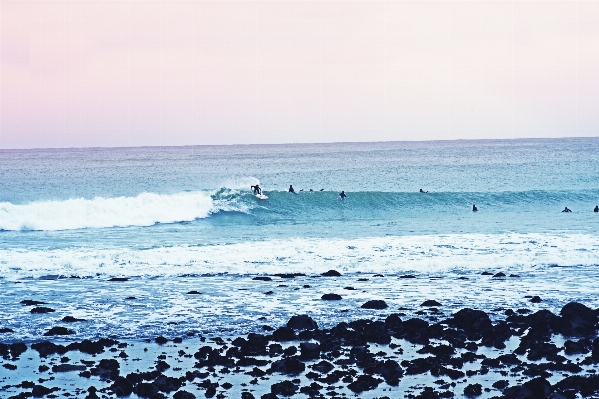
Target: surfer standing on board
{"x": 257, "y": 189}
{"x": 474, "y": 208}
{"x": 342, "y": 195}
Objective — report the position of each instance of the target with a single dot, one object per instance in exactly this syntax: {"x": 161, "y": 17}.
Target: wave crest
{"x": 146, "y": 209}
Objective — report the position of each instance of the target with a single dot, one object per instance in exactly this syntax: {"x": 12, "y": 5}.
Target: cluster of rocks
{"x": 346, "y": 356}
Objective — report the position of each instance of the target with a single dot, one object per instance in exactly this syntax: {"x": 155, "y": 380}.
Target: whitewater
{"x": 167, "y": 220}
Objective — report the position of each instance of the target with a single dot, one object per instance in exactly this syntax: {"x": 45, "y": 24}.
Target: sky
{"x": 138, "y": 73}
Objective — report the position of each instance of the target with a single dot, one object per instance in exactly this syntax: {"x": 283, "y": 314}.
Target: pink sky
{"x": 133, "y": 73}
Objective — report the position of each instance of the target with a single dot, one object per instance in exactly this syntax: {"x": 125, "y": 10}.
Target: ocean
{"x": 170, "y": 220}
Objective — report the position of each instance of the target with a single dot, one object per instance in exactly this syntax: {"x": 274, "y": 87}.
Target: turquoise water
{"x": 158, "y": 212}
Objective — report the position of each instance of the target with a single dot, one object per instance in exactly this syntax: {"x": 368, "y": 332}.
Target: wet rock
{"x": 499, "y": 275}
{"x": 39, "y": 390}
{"x": 578, "y": 319}
{"x": 486, "y": 274}
{"x": 188, "y": 395}
{"x": 331, "y": 273}
{"x": 71, "y": 319}
{"x": 122, "y": 387}
{"x": 536, "y": 299}
{"x": 302, "y": 322}
{"x": 390, "y": 370}
{"x": 576, "y": 347}
{"x": 290, "y": 275}
{"x": 518, "y": 392}
{"x": 290, "y": 366}
{"x": 323, "y": 367}
{"x": 349, "y": 288}
{"x": 9, "y": 366}
{"x": 407, "y": 276}
{"x": 285, "y": 388}
{"x": 61, "y": 368}
{"x": 430, "y": 302}
{"x": 501, "y": 384}
{"x": 17, "y": 349}
{"x": 5, "y": 330}
{"x": 473, "y": 390}
{"x": 284, "y": 334}
{"x": 331, "y": 297}
{"x": 117, "y": 279}
{"x": 167, "y": 384}
{"x": 42, "y": 309}
{"x": 162, "y": 366}
{"x": 161, "y": 340}
{"x": 29, "y": 302}
{"x": 262, "y": 278}
{"x": 471, "y": 320}
{"x": 364, "y": 382}
{"x": 309, "y": 350}
{"x": 107, "y": 369}
{"x": 145, "y": 390}
{"x": 376, "y": 304}
{"x": 194, "y": 292}
{"x": 58, "y": 331}
{"x": 540, "y": 387}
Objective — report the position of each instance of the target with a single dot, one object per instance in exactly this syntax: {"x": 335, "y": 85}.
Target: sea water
{"x": 177, "y": 219}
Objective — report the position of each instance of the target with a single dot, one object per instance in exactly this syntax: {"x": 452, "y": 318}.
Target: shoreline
{"x": 430, "y": 350}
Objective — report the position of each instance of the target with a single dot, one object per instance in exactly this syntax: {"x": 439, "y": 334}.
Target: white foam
{"x": 145, "y": 209}
{"x": 420, "y": 254}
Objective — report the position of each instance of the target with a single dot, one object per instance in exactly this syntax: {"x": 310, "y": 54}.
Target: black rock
{"x": 349, "y": 288}
{"x": 16, "y": 349}
{"x": 498, "y": 275}
{"x": 473, "y": 390}
{"x": 162, "y": 366}
{"x": 323, "y": 367}
{"x": 501, "y": 384}
{"x": 107, "y": 369}
{"x": 302, "y": 322}
{"x": 374, "y": 304}
{"x": 42, "y": 309}
{"x": 167, "y": 384}
{"x": 290, "y": 275}
{"x": 71, "y": 319}
{"x": 407, "y": 276}
{"x": 29, "y": 302}
{"x": 39, "y": 390}
{"x": 189, "y": 395}
{"x": 291, "y": 366}
{"x": 61, "y": 368}
{"x": 119, "y": 279}
{"x": 486, "y": 274}
{"x": 9, "y": 366}
{"x": 331, "y": 297}
{"x": 5, "y": 330}
{"x": 161, "y": 340}
{"x": 122, "y": 387}
{"x": 285, "y": 388}
{"x": 58, "y": 331}
{"x": 364, "y": 382}
{"x": 536, "y": 299}
{"x": 194, "y": 292}
{"x": 471, "y": 320}
{"x": 578, "y": 319}
{"x": 331, "y": 273}
{"x": 430, "y": 302}
{"x": 284, "y": 334}
{"x": 309, "y": 350}
{"x": 262, "y": 278}
{"x": 145, "y": 390}
{"x": 244, "y": 395}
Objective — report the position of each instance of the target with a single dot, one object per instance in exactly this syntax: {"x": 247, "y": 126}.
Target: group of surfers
{"x": 342, "y": 196}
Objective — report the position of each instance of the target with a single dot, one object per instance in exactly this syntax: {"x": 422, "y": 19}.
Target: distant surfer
{"x": 257, "y": 189}
{"x": 474, "y": 208}
{"x": 291, "y": 190}
{"x": 423, "y": 192}
{"x": 342, "y": 195}
{"x": 596, "y": 208}
{"x": 567, "y": 210}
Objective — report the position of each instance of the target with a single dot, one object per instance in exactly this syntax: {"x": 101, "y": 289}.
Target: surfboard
{"x": 261, "y": 196}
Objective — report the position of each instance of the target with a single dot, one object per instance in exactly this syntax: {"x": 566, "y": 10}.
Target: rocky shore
{"x": 508, "y": 353}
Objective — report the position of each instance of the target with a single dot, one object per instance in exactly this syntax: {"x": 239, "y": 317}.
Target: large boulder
{"x": 302, "y": 322}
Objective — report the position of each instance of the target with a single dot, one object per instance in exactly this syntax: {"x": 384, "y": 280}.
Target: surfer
{"x": 566, "y": 210}
{"x": 423, "y": 192}
{"x": 291, "y": 190}
{"x": 257, "y": 189}
{"x": 596, "y": 208}
{"x": 342, "y": 195}
{"x": 474, "y": 208}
